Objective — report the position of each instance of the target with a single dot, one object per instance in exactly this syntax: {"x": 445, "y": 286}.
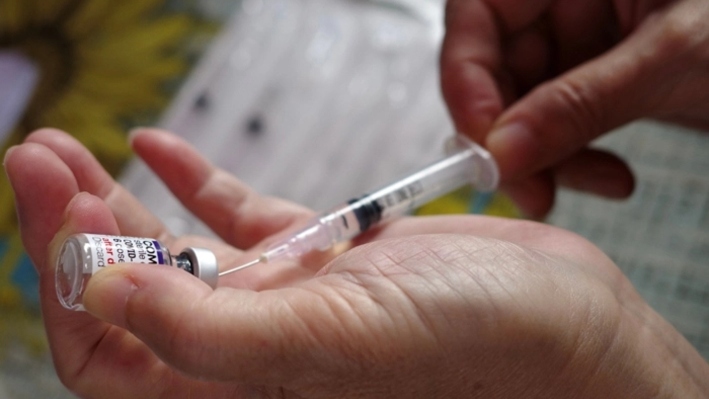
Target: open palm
{"x": 422, "y": 307}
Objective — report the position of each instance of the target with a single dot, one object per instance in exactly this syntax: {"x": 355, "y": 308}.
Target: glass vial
{"x": 83, "y": 255}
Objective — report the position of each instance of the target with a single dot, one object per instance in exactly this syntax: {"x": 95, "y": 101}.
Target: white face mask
{"x": 18, "y": 78}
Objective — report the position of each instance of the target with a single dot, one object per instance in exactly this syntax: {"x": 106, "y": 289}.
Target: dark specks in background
{"x": 255, "y": 126}
{"x": 202, "y": 103}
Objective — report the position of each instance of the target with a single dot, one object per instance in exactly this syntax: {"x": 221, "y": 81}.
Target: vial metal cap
{"x": 204, "y": 265}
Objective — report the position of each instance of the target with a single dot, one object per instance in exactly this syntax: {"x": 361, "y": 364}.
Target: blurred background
{"x": 316, "y": 101}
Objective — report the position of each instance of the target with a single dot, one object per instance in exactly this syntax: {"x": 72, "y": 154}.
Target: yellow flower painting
{"x": 103, "y": 67}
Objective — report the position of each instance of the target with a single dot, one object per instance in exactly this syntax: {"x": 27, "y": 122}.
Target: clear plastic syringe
{"x": 466, "y": 163}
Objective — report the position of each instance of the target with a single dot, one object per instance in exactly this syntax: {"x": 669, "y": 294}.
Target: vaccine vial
{"x": 83, "y": 255}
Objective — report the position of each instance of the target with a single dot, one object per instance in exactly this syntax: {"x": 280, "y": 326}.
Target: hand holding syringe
{"x": 467, "y": 163}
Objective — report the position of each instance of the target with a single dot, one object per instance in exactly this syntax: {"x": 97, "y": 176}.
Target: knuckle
{"x": 584, "y": 112}
{"x": 682, "y": 35}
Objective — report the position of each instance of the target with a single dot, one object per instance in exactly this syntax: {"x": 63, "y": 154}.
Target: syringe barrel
{"x": 321, "y": 233}
{"x": 467, "y": 163}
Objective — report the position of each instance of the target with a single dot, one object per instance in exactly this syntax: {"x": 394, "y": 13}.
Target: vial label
{"x": 109, "y": 250}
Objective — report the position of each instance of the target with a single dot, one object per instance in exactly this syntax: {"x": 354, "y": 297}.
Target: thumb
{"x": 224, "y": 335}
{"x": 652, "y": 73}
{"x": 344, "y": 329}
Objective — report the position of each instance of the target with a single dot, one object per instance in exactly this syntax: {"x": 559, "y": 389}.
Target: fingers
{"x": 596, "y": 172}
{"x": 489, "y": 48}
{"x": 534, "y": 196}
{"x": 590, "y": 171}
{"x": 87, "y": 350}
{"x": 638, "y": 78}
{"x": 470, "y": 63}
{"x": 582, "y": 30}
{"x": 50, "y": 208}
{"x": 528, "y": 57}
{"x": 73, "y": 335}
{"x": 88, "y": 173}
{"x": 233, "y": 210}
{"x": 133, "y": 218}
{"x": 43, "y": 187}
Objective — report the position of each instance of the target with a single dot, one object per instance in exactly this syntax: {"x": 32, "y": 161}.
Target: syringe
{"x": 466, "y": 163}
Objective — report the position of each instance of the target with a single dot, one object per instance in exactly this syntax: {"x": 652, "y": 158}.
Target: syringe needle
{"x": 242, "y": 267}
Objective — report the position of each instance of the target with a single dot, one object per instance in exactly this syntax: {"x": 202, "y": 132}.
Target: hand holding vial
{"x": 461, "y": 306}
{"x": 83, "y": 255}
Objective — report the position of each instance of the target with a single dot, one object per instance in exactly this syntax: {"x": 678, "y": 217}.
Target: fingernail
{"x": 108, "y": 293}
{"x": 515, "y": 148}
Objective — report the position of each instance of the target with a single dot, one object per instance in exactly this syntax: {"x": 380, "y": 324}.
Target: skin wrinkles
{"x": 437, "y": 259}
{"x": 404, "y": 319}
{"x": 324, "y": 343}
{"x": 479, "y": 274}
{"x": 595, "y": 346}
{"x": 583, "y": 101}
{"x": 340, "y": 310}
{"x": 413, "y": 262}
{"x": 388, "y": 264}
{"x": 651, "y": 327}
{"x": 178, "y": 333}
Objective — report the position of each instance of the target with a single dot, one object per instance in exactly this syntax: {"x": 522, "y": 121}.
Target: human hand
{"x": 537, "y": 81}
{"x": 422, "y": 307}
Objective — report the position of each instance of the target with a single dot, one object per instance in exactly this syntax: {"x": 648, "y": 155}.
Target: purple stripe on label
{"x": 161, "y": 260}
